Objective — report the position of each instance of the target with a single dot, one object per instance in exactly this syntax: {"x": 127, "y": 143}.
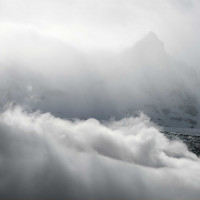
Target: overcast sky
{"x": 109, "y": 24}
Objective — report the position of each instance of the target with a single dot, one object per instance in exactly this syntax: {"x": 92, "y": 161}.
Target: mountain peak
{"x": 151, "y": 35}
{"x": 151, "y": 41}
{"x": 150, "y": 50}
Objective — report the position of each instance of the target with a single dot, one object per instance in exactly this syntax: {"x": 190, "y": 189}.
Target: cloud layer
{"x": 45, "y": 73}
{"x": 44, "y": 157}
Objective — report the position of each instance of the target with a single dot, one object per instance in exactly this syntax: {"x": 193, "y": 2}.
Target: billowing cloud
{"x": 45, "y": 157}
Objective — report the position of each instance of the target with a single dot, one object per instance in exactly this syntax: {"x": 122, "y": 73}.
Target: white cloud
{"x": 44, "y": 157}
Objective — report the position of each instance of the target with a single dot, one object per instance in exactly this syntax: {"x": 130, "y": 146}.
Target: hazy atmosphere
{"x": 100, "y": 99}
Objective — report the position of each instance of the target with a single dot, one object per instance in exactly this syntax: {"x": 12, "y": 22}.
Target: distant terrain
{"x": 191, "y": 140}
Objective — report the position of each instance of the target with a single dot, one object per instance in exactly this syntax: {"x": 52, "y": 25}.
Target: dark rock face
{"x": 192, "y": 141}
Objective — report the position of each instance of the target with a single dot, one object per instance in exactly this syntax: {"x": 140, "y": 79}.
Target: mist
{"x": 87, "y": 90}
{"x": 49, "y": 75}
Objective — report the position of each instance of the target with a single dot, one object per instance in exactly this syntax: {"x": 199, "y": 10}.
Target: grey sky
{"x": 111, "y": 24}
